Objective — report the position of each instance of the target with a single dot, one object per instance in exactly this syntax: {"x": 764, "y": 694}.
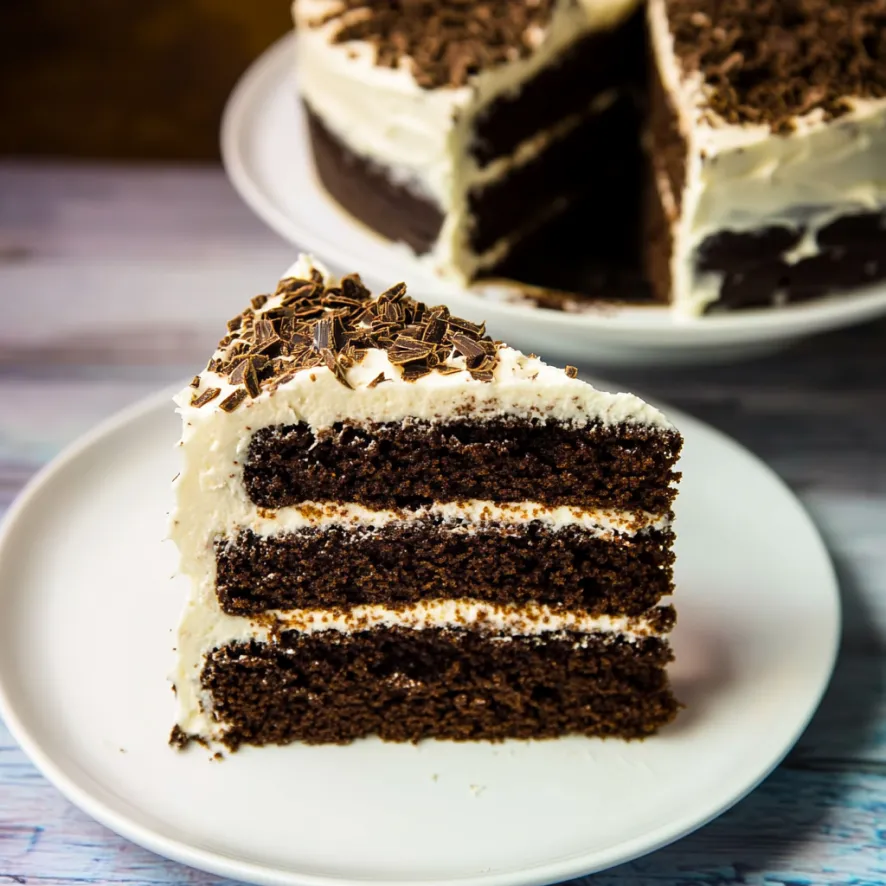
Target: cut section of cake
{"x": 394, "y": 525}
{"x": 768, "y": 139}
{"x": 460, "y": 128}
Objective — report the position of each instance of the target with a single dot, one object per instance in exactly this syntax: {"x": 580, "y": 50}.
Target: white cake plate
{"x": 88, "y": 603}
{"x": 267, "y": 156}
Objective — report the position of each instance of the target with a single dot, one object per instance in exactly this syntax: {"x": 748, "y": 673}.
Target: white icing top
{"x": 741, "y": 177}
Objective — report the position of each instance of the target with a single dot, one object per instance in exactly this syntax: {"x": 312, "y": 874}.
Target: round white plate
{"x": 88, "y": 603}
{"x": 267, "y": 157}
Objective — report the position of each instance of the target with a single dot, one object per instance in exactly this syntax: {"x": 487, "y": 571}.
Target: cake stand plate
{"x": 88, "y": 605}
{"x": 267, "y": 157}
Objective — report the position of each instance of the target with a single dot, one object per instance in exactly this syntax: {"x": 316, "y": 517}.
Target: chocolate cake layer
{"x": 666, "y": 163}
{"x": 405, "y": 685}
{"x": 601, "y": 157}
{"x": 659, "y": 239}
{"x": 423, "y": 560}
{"x": 606, "y": 60}
{"x": 851, "y": 253}
{"x": 368, "y": 193}
{"x": 393, "y": 465}
{"x": 669, "y": 148}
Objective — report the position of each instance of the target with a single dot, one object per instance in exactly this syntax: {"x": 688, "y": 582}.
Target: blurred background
{"x": 123, "y": 80}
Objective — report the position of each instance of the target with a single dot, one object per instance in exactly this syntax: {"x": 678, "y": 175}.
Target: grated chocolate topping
{"x": 307, "y": 324}
{"x": 444, "y": 41}
{"x": 769, "y": 61}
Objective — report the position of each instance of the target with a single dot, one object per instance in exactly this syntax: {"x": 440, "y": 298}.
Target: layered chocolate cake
{"x": 395, "y": 526}
{"x": 745, "y": 139}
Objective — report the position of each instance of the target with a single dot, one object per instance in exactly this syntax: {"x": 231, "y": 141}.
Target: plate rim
{"x": 274, "y": 66}
{"x": 557, "y": 871}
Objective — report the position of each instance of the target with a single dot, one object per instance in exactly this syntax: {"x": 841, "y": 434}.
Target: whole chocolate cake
{"x": 394, "y": 525}
{"x": 746, "y": 139}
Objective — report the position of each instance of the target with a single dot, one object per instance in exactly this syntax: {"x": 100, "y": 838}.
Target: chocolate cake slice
{"x": 394, "y": 525}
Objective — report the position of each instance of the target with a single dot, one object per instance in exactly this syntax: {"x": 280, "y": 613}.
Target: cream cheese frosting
{"x": 742, "y": 177}
{"x": 457, "y": 516}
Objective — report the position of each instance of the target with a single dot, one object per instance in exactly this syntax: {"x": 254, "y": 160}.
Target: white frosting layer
{"x": 205, "y": 627}
{"x": 212, "y": 501}
{"x": 460, "y": 517}
{"x": 422, "y": 136}
{"x": 743, "y": 177}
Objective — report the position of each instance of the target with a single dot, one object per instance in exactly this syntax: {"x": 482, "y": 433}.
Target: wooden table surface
{"x": 113, "y": 283}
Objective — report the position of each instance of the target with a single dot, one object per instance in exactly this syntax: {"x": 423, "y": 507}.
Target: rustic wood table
{"x": 113, "y": 282}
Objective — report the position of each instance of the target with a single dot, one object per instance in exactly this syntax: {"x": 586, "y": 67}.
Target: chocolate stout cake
{"x": 394, "y": 525}
{"x": 744, "y": 138}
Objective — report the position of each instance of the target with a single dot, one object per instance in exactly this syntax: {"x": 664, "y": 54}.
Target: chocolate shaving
{"x": 264, "y": 331}
{"x": 353, "y": 289}
{"x": 571, "y": 371}
{"x": 467, "y": 346}
{"x": 411, "y": 372}
{"x": 394, "y": 293}
{"x": 305, "y": 292}
{"x": 250, "y": 379}
{"x": 307, "y": 325}
{"x": 405, "y": 350}
{"x": 291, "y": 284}
{"x": 206, "y": 397}
{"x": 339, "y": 372}
{"x": 233, "y": 400}
{"x": 467, "y": 326}
{"x": 323, "y": 335}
